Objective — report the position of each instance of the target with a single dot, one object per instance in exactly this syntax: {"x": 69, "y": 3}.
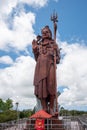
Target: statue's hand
{"x": 34, "y": 44}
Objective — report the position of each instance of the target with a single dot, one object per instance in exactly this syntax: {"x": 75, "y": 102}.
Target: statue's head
{"x": 46, "y": 33}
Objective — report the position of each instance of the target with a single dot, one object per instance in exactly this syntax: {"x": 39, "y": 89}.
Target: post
{"x": 17, "y": 111}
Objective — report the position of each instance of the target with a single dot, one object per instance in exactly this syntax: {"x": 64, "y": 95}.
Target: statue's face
{"x": 46, "y": 33}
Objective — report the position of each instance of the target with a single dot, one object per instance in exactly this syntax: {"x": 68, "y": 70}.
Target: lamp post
{"x": 17, "y": 111}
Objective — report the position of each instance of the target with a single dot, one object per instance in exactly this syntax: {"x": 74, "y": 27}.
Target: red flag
{"x": 39, "y": 124}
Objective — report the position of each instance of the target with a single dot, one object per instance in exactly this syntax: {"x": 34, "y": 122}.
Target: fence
{"x": 68, "y": 124}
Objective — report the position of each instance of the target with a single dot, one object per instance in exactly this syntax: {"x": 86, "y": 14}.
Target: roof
{"x": 41, "y": 114}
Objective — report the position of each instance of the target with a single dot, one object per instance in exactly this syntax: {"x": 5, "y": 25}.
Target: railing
{"x": 14, "y": 125}
{"x": 83, "y": 122}
{"x": 76, "y": 122}
{"x": 68, "y": 123}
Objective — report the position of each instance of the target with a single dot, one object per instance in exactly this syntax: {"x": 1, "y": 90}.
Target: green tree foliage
{"x": 9, "y": 104}
{"x": 5, "y": 105}
{"x": 1, "y": 105}
{"x": 26, "y": 113}
{"x": 8, "y": 116}
{"x": 7, "y": 113}
{"x": 64, "y": 112}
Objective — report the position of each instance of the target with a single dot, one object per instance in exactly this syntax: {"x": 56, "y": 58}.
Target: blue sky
{"x": 72, "y": 18}
{"x": 20, "y": 22}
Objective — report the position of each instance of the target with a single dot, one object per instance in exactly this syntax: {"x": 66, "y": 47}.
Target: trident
{"x": 54, "y": 18}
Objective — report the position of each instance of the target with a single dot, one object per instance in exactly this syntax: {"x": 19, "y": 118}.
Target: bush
{"x": 8, "y": 116}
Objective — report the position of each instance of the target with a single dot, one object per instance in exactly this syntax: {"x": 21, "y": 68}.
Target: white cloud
{"x": 16, "y": 82}
{"x": 24, "y": 102}
{"x": 5, "y": 34}
{"x": 35, "y": 3}
{"x": 6, "y": 6}
{"x": 72, "y": 73}
{"x": 21, "y": 35}
{"x": 6, "y": 60}
{"x": 23, "y": 32}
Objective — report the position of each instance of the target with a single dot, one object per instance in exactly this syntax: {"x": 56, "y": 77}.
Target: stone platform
{"x": 50, "y": 124}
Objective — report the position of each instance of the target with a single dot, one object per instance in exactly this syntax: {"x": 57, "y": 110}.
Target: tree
{"x": 5, "y": 105}
{"x": 2, "y": 105}
{"x": 9, "y": 104}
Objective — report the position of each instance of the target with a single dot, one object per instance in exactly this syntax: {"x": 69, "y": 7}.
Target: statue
{"x": 44, "y": 49}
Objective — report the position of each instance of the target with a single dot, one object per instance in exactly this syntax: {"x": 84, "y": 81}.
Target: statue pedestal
{"x": 50, "y": 124}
